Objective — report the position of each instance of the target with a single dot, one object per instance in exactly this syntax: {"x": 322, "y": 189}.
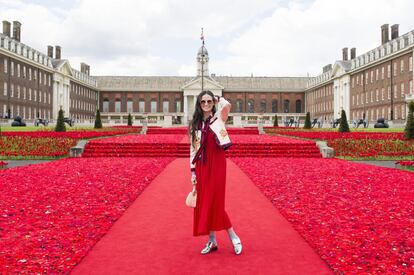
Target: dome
{"x": 202, "y": 50}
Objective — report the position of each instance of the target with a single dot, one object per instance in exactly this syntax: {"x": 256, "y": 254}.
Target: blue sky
{"x": 161, "y": 37}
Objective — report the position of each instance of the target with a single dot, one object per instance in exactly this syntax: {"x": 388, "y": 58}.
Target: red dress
{"x": 209, "y": 213}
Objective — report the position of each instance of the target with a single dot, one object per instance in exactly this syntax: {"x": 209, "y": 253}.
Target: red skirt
{"x": 209, "y": 213}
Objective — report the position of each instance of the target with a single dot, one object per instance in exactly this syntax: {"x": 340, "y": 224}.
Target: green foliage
{"x": 275, "y": 123}
{"x": 409, "y": 127}
{"x": 308, "y": 124}
{"x": 343, "y": 126}
{"x": 60, "y": 124}
{"x": 129, "y": 119}
{"x": 98, "y": 122}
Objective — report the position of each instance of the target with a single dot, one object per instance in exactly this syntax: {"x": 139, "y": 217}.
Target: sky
{"x": 243, "y": 38}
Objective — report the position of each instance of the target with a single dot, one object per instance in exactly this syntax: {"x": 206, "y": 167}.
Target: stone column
{"x": 185, "y": 118}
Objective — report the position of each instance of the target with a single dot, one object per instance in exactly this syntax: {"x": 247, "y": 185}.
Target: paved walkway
{"x": 154, "y": 235}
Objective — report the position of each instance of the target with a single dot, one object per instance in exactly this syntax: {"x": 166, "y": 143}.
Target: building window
{"x": 18, "y": 70}
{"x": 382, "y": 72}
{"x": 263, "y": 106}
{"x": 105, "y": 105}
{"x": 30, "y": 74}
{"x": 376, "y": 95}
{"x": 165, "y": 106}
{"x": 129, "y": 106}
{"x": 153, "y": 106}
{"x": 395, "y": 91}
{"x": 395, "y": 68}
{"x": 402, "y": 66}
{"x": 250, "y": 106}
{"x": 5, "y": 65}
{"x": 376, "y": 74}
{"x": 274, "y": 106}
{"x": 141, "y": 106}
{"x": 178, "y": 106}
{"x": 411, "y": 87}
{"x": 410, "y": 63}
{"x": 239, "y": 106}
{"x": 286, "y": 106}
{"x": 11, "y": 68}
{"x": 389, "y": 71}
{"x": 5, "y": 89}
{"x": 117, "y": 106}
{"x": 402, "y": 89}
{"x": 298, "y": 106}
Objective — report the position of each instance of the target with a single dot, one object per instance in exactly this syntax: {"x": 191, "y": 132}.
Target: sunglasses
{"x": 208, "y": 102}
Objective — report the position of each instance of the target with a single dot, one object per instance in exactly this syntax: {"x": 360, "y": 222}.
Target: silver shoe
{"x": 210, "y": 247}
{"x": 237, "y": 246}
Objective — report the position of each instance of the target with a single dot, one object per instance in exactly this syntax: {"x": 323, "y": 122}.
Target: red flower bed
{"x": 30, "y": 146}
{"x": 358, "y": 218}
{"x": 258, "y": 139}
{"x": 338, "y": 135}
{"x": 51, "y": 214}
{"x": 406, "y": 163}
{"x": 78, "y": 134}
{"x": 372, "y": 147}
{"x": 161, "y": 138}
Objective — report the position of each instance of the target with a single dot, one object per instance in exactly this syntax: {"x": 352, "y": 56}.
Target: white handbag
{"x": 191, "y": 199}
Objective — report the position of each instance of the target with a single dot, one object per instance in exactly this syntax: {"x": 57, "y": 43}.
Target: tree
{"x": 98, "y": 122}
{"x": 343, "y": 126}
{"x": 60, "y": 124}
{"x": 129, "y": 119}
{"x": 275, "y": 123}
{"x": 308, "y": 124}
{"x": 409, "y": 127}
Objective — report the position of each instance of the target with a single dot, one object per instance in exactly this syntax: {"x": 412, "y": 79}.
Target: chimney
{"x": 16, "y": 30}
{"x": 88, "y": 70}
{"x": 83, "y": 67}
{"x": 394, "y": 31}
{"x": 58, "y": 50}
{"x": 50, "y": 51}
{"x": 6, "y": 28}
{"x": 385, "y": 37}
{"x": 327, "y": 68}
{"x": 345, "y": 54}
{"x": 353, "y": 53}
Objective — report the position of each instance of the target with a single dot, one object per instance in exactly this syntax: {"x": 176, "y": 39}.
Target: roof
{"x": 174, "y": 83}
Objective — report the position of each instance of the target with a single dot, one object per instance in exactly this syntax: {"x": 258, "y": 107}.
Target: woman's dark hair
{"x": 198, "y": 114}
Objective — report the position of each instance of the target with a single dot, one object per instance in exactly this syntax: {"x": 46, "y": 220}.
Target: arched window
{"x": 117, "y": 105}
{"x": 105, "y": 106}
{"x": 286, "y": 106}
{"x": 274, "y": 106}
{"x": 165, "y": 106}
{"x": 298, "y": 106}
{"x": 129, "y": 105}
{"x": 250, "y": 106}
{"x": 141, "y": 105}
{"x": 263, "y": 106}
{"x": 239, "y": 106}
{"x": 178, "y": 106}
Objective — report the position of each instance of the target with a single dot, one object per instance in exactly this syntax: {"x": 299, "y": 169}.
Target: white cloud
{"x": 161, "y": 37}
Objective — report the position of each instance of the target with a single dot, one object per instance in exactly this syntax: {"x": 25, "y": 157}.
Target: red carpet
{"x": 154, "y": 236}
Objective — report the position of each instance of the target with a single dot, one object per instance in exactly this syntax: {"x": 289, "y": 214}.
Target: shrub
{"x": 343, "y": 126}
{"x": 275, "y": 123}
{"x": 98, "y": 122}
{"x": 60, "y": 125}
{"x": 307, "y": 121}
{"x": 129, "y": 119}
{"x": 409, "y": 127}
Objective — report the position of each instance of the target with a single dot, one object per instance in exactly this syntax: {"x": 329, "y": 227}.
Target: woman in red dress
{"x": 209, "y": 139}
